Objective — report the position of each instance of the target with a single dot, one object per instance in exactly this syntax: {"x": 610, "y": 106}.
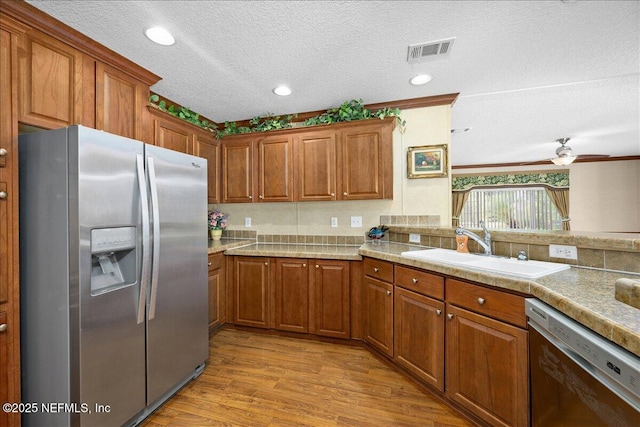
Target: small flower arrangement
{"x": 217, "y": 220}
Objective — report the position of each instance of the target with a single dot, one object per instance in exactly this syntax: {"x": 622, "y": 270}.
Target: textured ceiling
{"x": 528, "y": 72}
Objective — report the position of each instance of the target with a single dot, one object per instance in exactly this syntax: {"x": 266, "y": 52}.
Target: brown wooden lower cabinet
{"x": 486, "y": 367}
{"x": 377, "y": 309}
{"x": 419, "y": 336}
{"x": 251, "y": 291}
{"x": 217, "y": 291}
{"x": 292, "y": 294}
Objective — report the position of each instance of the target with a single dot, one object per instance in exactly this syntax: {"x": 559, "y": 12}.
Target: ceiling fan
{"x": 565, "y": 155}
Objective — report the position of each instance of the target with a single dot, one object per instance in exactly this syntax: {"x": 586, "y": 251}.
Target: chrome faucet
{"x": 484, "y": 243}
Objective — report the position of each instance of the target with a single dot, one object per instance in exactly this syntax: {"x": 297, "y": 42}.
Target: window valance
{"x": 557, "y": 180}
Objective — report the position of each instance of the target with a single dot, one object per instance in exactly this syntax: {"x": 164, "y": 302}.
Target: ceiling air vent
{"x": 422, "y": 51}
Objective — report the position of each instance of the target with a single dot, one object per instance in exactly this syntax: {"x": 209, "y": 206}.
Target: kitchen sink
{"x": 529, "y": 269}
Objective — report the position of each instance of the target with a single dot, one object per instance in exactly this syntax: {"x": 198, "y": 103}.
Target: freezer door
{"x": 110, "y": 340}
{"x": 177, "y": 330}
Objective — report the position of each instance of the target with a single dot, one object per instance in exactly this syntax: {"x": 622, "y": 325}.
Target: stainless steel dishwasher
{"x": 579, "y": 378}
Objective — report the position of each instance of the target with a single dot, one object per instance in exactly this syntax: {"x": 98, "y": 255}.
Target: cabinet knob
{"x": 317, "y": 266}
{"x": 345, "y": 194}
{"x": 438, "y": 312}
{"x": 3, "y": 327}
{"x": 388, "y": 292}
{"x": 266, "y": 263}
{"x": 375, "y": 269}
{"x": 450, "y": 316}
{"x": 3, "y": 152}
{"x": 481, "y": 301}
{"x": 414, "y": 280}
{"x": 250, "y": 197}
{"x": 333, "y": 194}
{"x": 209, "y": 264}
{"x": 261, "y": 196}
{"x": 3, "y": 194}
{"x": 304, "y": 265}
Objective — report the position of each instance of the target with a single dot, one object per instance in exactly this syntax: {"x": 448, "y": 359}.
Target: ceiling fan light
{"x": 563, "y": 161}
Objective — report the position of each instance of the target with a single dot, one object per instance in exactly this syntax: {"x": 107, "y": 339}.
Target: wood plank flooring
{"x": 254, "y": 379}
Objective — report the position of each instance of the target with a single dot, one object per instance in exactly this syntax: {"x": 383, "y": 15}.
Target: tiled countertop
{"x": 295, "y": 250}
{"x": 222, "y": 245}
{"x": 586, "y": 295}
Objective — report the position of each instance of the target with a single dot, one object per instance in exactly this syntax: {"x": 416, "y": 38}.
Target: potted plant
{"x": 217, "y": 222}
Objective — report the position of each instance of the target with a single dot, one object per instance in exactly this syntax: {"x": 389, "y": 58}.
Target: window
{"x": 527, "y": 208}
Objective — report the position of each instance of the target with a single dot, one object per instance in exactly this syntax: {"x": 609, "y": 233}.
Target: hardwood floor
{"x": 254, "y": 379}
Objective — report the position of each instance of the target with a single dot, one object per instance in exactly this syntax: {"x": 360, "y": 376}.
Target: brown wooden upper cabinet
{"x": 257, "y": 169}
{"x": 176, "y": 134}
{"x": 347, "y": 161}
{"x": 50, "y": 82}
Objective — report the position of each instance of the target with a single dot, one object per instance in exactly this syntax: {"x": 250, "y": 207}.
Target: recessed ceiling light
{"x": 420, "y": 79}
{"x": 160, "y": 36}
{"x": 282, "y": 91}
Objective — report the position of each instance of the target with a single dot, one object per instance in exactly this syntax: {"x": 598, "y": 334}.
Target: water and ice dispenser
{"x": 113, "y": 258}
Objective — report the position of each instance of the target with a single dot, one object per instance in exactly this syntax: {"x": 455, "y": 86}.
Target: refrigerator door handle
{"x": 144, "y": 204}
{"x": 155, "y": 214}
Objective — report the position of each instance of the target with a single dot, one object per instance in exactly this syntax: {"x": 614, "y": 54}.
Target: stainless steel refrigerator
{"x": 113, "y": 250}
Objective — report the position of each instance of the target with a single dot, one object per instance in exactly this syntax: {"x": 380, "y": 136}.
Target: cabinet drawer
{"x": 215, "y": 261}
{"x": 380, "y": 270}
{"x": 422, "y": 282}
{"x": 499, "y": 305}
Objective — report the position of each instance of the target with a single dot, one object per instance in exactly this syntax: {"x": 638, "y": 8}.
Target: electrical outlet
{"x": 561, "y": 251}
{"x": 247, "y": 222}
{"x": 414, "y": 238}
{"x": 356, "y": 222}
{"x": 334, "y": 222}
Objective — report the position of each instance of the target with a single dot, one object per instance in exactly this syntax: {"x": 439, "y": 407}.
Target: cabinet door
{"x": 316, "y": 166}
{"x": 237, "y": 171}
{"x": 217, "y": 294}
{"x": 366, "y": 163}
{"x": 50, "y": 82}
{"x": 419, "y": 336}
{"x": 292, "y": 295}
{"x": 377, "y": 308}
{"x": 172, "y": 136}
{"x": 251, "y": 291}
{"x": 486, "y": 367}
{"x": 331, "y": 303}
{"x": 207, "y": 148}
{"x": 275, "y": 169}
{"x": 119, "y": 102}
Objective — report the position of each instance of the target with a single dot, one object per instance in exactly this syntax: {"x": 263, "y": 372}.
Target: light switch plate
{"x": 414, "y": 238}
{"x": 247, "y": 222}
{"x": 562, "y": 251}
{"x": 356, "y": 222}
{"x": 334, "y": 222}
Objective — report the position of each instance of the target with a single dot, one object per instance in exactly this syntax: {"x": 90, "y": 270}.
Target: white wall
{"x": 432, "y": 196}
{"x": 603, "y": 196}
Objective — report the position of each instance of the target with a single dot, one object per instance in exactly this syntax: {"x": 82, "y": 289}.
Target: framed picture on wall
{"x": 429, "y": 161}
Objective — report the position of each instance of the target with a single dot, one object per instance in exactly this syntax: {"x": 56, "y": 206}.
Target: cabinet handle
{"x": 209, "y": 264}
{"x": 3, "y": 152}
{"x": 414, "y": 280}
{"x": 450, "y": 316}
{"x": 3, "y": 194}
{"x": 375, "y": 269}
{"x": 438, "y": 312}
{"x": 481, "y": 301}
{"x": 388, "y": 292}
{"x": 3, "y": 327}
